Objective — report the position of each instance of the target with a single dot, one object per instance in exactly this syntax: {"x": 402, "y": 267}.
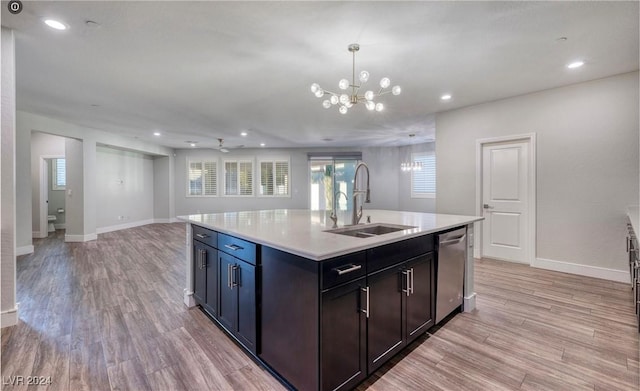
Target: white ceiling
{"x": 206, "y": 70}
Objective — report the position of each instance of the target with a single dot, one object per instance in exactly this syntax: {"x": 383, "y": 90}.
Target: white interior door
{"x": 505, "y": 201}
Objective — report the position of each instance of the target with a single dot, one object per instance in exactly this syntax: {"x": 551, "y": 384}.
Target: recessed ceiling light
{"x": 243, "y": 134}
{"x": 576, "y": 64}
{"x": 156, "y": 133}
{"x": 445, "y": 97}
{"x": 192, "y": 143}
{"x": 262, "y": 144}
{"x": 54, "y": 24}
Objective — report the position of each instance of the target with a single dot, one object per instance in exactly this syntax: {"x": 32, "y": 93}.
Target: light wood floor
{"x": 108, "y": 315}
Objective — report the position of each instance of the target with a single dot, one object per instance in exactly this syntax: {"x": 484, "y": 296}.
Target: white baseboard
{"x": 582, "y": 270}
{"x": 469, "y": 303}
{"x": 118, "y": 227}
{"x": 38, "y": 235}
{"x": 80, "y": 238}
{"x": 9, "y": 318}
{"x": 189, "y": 301}
{"x": 24, "y": 250}
{"x": 60, "y": 226}
{"x": 161, "y": 221}
{"x": 175, "y": 220}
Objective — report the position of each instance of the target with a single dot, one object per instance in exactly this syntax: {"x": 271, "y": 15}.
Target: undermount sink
{"x": 369, "y": 230}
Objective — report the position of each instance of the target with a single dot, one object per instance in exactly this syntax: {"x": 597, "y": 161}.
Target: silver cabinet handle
{"x": 234, "y": 280}
{"x": 229, "y": 275}
{"x": 203, "y": 259}
{"x": 366, "y": 310}
{"x": 453, "y": 241}
{"x": 202, "y": 236}
{"x": 348, "y": 269}
{"x": 233, "y": 247}
{"x": 406, "y": 281}
{"x": 411, "y": 285}
{"x": 628, "y": 241}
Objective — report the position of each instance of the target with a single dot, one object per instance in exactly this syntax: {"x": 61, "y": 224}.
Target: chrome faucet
{"x": 334, "y": 211}
{"x": 357, "y": 214}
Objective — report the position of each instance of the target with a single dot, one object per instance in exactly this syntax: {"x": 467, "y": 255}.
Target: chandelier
{"x": 409, "y": 166}
{"x": 345, "y": 101}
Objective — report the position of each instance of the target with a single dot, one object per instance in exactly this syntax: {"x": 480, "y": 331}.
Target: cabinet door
{"x": 419, "y": 303}
{"x": 211, "y": 265}
{"x": 228, "y": 309}
{"x": 385, "y": 323}
{"x": 344, "y": 333}
{"x": 245, "y": 285}
{"x": 199, "y": 273}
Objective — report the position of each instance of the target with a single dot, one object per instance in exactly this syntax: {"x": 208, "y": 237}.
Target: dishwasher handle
{"x": 453, "y": 241}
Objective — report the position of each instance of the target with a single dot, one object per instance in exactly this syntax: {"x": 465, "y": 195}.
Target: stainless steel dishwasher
{"x": 452, "y": 252}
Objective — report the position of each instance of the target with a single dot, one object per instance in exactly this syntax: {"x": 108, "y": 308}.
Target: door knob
{"x": 487, "y": 206}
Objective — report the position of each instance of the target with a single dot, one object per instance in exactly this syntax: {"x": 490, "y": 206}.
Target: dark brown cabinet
{"x": 237, "y": 312}
{"x": 205, "y": 272}
{"x": 224, "y": 279}
{"x": 420, "y": 299}
{"x": 344, "y": 336}
{"x": 400, "y": 307}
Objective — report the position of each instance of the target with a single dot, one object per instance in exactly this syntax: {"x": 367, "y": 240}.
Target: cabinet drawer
{"x": 343, "y": 269}
{"x": 390, "y": 254}
{"x": 205, "y": 235}
{"x": 238, "y": 248}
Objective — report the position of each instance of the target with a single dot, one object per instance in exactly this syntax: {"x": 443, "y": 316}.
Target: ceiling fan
{"x": 223, "y": 149}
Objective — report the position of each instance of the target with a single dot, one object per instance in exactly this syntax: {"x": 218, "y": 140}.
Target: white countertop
{"x": 633, "y": 212}
{"x": 301, "y": 231}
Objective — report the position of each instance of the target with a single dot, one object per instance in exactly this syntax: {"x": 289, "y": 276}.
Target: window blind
{"x": 202, "y": 178}
{"x": 274, "y": 178}
{"x": 423, "y": 182}
{"x": 59, "y": 174}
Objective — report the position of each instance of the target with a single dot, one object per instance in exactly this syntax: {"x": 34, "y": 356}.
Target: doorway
{"x": 52, "y": 194}
{"x": 505, "y": 197}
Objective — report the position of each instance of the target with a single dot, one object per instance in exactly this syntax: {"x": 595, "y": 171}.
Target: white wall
{"x": 162, "y": 188}
{"x": 8, "y": 307}
{"x": 42, "y": 145}
{"x": 88, "y": 139}
{"x": 587, "y": 171}
{"x": 124, "y": 188}
{"x": 407, "y": 203}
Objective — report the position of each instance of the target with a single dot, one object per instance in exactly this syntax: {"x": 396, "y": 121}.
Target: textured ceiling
{"x": 206, "y": 70}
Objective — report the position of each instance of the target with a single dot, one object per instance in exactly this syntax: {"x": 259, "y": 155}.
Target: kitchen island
{"x": 322, "y": 310}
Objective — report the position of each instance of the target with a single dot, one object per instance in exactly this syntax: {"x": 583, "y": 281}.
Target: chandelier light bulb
{"x": 396, "y": 90}
{"x": 344, "y": 99}
{"x": 368, "y": 95}
{"x": 319, "y": 93}
{"x": 343, "y": 109}
{"x": 334, "y": 100}
{"x": 348, "y": 105}
{"x": 364, "y": 76}
{"x": 385, "y": 82}
{"x": 314, "y": 87}
{"x": 371, "y": 105}
{"x": 343, "y": 84}
{"x": 326, "y": 104}
{"x": 379, "y": 107}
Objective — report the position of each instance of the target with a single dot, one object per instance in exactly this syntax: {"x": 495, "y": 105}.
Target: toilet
{"x": 51, "y": 219}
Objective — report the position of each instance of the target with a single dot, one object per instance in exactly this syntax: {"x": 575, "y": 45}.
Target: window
{"x": 423, "y": 182}
{"x": 238, "y": 178}
{"x": 332, "y": 174}
{"x": 274, "y": 178}
{"x": 58, "y": 174}
{"x": 202, "y": 179}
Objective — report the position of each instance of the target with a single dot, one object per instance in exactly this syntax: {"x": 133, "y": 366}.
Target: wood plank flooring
{"x": 108, "y": 315}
